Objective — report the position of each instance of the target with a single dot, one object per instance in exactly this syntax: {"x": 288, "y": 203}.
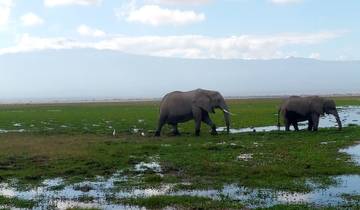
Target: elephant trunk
{"x": 338, "y": 120}
{"x": 227, "y": 121}
{"x": 336, "y": 114}
{"x": 226, "y": 116}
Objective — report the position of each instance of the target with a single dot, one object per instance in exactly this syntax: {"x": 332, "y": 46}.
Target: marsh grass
{"x": 180, "y": 202}
{"x": 17, "y": 203}
{"x": 279, "y": 160}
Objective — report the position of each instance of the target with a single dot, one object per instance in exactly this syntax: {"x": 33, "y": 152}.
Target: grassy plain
{"x": 75, "y": 141}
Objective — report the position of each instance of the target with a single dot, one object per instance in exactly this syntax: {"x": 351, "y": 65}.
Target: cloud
{"x": 31, "y": 19}
{"x": 5, "y": 10}
{"x": 85, "y": 30}
{"x": 188, "y": 2}
{"x": 285, "y": 1}
{"x": 314, "y": 55}
{"x": 55, "y": 3}
{"x": 155, "y": 15}
{"x": 188, "y": 46}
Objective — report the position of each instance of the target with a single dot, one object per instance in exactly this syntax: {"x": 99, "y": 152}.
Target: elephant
{"x": 297, "y": 109}
{"x": 178, "y": 107}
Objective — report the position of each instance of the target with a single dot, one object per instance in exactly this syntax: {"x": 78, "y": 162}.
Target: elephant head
{"x": 326, "y": 106}
{"x": 329, "y": 107}
{"x": 211, "y": 100}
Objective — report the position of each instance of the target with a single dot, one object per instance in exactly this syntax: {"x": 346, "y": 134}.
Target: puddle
{"x": 245, "y": 157}
{"x": 12, "y": 131}
{"x": 354, "y": 151}
{"x": 68, "y": 196}
{"x": 349, "y": 184}
{"x": 54, "y": 193}
{"x": 152, "y": 166}
{"x": 349, "y": 115}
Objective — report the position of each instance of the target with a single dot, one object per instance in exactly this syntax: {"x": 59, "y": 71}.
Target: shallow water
{"x": 354, "y": 151}
{"x": 50, "y": 194}
{"x": 68, "y": 196}
{"x": 348, "y": 184}
{"x": 349, "y": 115}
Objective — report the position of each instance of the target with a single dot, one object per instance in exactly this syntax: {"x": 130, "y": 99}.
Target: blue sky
{"x": 245, "y": 29}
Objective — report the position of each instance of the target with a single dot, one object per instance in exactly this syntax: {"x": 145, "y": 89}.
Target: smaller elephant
{"x": 178, "y": 107}
{"x": 297, "y": 109}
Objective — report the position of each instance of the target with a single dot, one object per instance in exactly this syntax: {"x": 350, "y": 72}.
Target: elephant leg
{"x": 310, "y": 125}
{"x": 160, "y": 125}
{"x": 175, "y": 129}
{"x": 315, "y": 119}
{"x": 296, "y": 127}
{"x": 197, "y": 117}
{"x": 287, "y": 125}
{"x": 206, "y": 119}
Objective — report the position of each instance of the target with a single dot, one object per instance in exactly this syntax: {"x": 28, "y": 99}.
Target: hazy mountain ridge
{"x": 94, "y": 74}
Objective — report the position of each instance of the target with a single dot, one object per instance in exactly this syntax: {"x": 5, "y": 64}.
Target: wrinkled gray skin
{"x": 297, "y": 109}
{"x": 178, "y": 107}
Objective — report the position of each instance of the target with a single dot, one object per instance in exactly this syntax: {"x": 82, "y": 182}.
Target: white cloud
{"x": 5, "y": 10}
{"x": 314, "y": 55}
{"x": 54, "y": 3}
{"x": 27, "y": 43}
{"x": 285, "y": 1}
{"x": 31, "y": 19}
{"x": 190, "y": 46}
{"x": 189, "y": 2}
{"x": 155, "y": 15}
{"x": 85, "y": 30}
{"x": 342, "y": 58}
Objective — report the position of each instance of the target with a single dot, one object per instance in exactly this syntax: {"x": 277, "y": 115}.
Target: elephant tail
{"x": 278, "y": 119}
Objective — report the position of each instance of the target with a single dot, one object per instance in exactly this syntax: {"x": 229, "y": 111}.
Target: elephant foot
{"x": 176, "y": 133}
{"x": 214, "y": 132}
{"x": 157, "y": 133}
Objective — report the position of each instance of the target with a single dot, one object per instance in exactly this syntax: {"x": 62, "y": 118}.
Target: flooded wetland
{"x": 104, "y": 156}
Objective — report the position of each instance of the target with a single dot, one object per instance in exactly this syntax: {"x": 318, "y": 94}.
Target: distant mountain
{"x": 95, "y": 74}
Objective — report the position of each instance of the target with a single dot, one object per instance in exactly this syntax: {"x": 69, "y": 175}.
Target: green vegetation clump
{"x": 181, "y": 202}
{"x": 17, "y": 203}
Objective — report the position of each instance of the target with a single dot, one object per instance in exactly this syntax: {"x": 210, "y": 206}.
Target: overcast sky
{"x": 96, "y": 49}
{"x": 222, "y": 29}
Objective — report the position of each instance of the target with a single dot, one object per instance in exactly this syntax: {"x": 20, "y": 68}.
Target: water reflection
{"x": 349, "y": 115}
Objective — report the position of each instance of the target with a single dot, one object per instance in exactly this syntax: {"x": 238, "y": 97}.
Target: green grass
{"x": 181, "y": 202}
{"x": 97, "y": 117}
{"x": 280, "y": 160}
{"x": 301, "y": 207}
{"x": 17, "y": 203}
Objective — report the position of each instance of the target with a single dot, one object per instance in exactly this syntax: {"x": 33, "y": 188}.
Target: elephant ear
{"x": 317, "y": 105}
{"x": 204, "y": 102}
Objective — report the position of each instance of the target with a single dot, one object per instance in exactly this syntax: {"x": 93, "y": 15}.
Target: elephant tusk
{"x": 226, "y": 111}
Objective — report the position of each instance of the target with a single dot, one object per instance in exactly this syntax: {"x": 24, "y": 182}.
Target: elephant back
{"x": 298, "y": 105}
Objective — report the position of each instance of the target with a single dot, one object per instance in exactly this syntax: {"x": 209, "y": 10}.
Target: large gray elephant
{"x": 296, "y": 109}
{"x": 177, "y": 107}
